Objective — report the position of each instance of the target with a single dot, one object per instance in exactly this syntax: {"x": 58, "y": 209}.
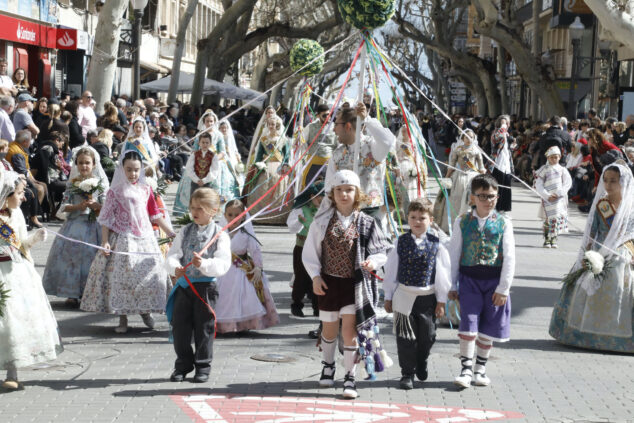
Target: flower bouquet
{"x": 86, "y": 188}
{"x": 592, "y": 262}
{"x": 4, "y": 294}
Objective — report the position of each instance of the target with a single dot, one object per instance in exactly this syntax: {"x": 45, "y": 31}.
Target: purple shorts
{"x": 477, "y": 312}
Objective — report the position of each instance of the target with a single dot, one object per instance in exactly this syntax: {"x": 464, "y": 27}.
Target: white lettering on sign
{"x": 25, "y": 34}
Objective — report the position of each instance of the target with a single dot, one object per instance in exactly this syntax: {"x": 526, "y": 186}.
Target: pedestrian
{"x": 128, "y": 276}
{"x": 298, "y": 222}
{"x": 482, "y": 251}
{"x": 502, "y": 166}
{"x": 191, "y": 257}
{"x": 417, "y": 280}
{"x": 245, "y": 300}
{"x": 595, "y": 310}
{"x": 28, "y": 330}
{"x": 86, "y": 114}
{"x": 552, "y": 182}
{"x": 343, "y": 248}
{"x": 66, "y": 271}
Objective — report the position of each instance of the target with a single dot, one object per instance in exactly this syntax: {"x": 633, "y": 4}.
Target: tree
{"x": 617, "y": 19}
{"x": 103, "y": 64}
{"x": 178, "y": 50}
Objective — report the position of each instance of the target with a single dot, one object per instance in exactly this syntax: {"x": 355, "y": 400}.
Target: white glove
{"x": 257, "y": 274}
{"x": 40, "y": 235}
{"x": 260, "y": 165}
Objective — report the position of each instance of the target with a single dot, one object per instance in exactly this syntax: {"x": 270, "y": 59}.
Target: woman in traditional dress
{"x": 269, "y": 164}
{"x": 407, "y": 173}
{"x": 597, "y": 312}
{"x": 233, "y": 172}
{"x": 139, "y": 140}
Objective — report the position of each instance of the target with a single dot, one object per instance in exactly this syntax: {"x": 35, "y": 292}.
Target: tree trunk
{"x": 504, "y": 98}
{"x": 103, "y": 65}
{"x": 199, "y": 77}
{"x": 178, "y": 50}
{"x": 537, "y": 52}
{"x": 618, "y": 23}
{"x": 475, "y": 85}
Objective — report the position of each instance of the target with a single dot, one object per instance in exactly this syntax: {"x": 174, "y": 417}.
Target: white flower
{"x": 595, "y": 261}
{"x": 88, "y": 185}
{"x": 152, "y": 183}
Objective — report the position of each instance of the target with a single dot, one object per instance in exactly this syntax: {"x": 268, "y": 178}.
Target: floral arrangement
{"x": 366, "y": 14}
{"x": 4, "y": 294}
{"x": 592, "y": 262}
{"x": 307, "y": 53}
{"x": 87, "y": 188}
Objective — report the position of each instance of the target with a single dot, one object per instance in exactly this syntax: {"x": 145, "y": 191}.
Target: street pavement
{"x": 106, "y": 377}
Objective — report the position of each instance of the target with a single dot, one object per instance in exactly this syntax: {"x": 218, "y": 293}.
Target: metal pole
{"x": 357, "y": 136}
{"x": 136, "y": 76}
{"x": 572, "y": 104}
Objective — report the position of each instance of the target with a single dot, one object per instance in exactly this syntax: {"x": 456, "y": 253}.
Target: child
{"x": 245, "y": 300}
{"x": 552, "y": 182}
{"x": 482, "y": 252}
{"x": 416, "y": 283}
{"x": 298, "y": 222}
{"x": 185, "y": 311}
{"x": 343, "y": 247}
{"x": 202, "y": 167}
{"x": 67, "y": 270}
{"x": 128, "y": 276}
{"x": 28, "y": 330}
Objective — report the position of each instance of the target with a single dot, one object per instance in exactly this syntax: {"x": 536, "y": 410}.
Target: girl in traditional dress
{"x": 233, "y": 179}
{"x": 552, "y": 182}
{"x": 269, "y": 164}
{"x": 67, "y": 270}
{"x": 28, "y": 330}
{"x": 467, "y": 159}
{"x": 139, "y": 140}
{"x": 502, "y": 168}
{"x": 127, "y": 277}
{"x": 598, "y": 312}
{"x": 245, "y": 301}
{"x": 342, "y": 249}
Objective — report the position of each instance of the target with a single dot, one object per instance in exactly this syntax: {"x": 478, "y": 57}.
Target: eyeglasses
{"x": 487, "y": 197}
{"x": 87, "y": 96}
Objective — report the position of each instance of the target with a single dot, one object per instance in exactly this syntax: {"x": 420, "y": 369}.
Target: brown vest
{"x": 338, "y": 248}
{"x": 202, "y": 164}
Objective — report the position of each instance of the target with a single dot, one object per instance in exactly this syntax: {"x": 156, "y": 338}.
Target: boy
{"x": 482, "y": 251}
{"x": 416, "y": 285}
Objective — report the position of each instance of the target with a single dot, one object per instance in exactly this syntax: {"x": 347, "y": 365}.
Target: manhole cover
{"x": 273, "y": 358}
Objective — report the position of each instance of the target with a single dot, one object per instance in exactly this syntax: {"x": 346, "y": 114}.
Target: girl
{"x": 245, "y": 300}
{"x": 343, "y": 247}
{"x": 66, "y": 271}
{"x": 598, "y": 313}
{"x": 233, "y": 171}
{"x": 406, "y": 173}
{"x": 131, "y": 283}
{"x": 28, "y": 330}
{"x": 139, "y": 140}
{"x": 185, "y": 312}
{"x": 552, "y": 182}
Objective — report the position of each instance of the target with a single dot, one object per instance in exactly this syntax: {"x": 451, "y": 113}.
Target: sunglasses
{"x": 87, "y": 96}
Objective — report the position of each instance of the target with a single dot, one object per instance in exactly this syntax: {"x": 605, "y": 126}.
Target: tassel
{"x": 375, "y": 328}
{"x": 378, "y": 364}
{"x": 364, "y": 374}
{"x": 369, "y": 367}
{"x": 361, "y": 351}
{"x": 387, "y": 361}
{"x": 370, "y": 334}
{"x": 376, "y": 344}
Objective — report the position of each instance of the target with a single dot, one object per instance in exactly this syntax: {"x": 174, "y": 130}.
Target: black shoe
{"x": 296, "y": 310}
{"x": 316, "y": 312}
{"x": 313, "y": 334}
{"x": 178, "y": 376}
{"x": 406, "y": 382}
{"x": 200, "y": 378}
{"x": 327, "y": 378}
{"x": 421, "y": 373}
{"x": 349, "y": 387}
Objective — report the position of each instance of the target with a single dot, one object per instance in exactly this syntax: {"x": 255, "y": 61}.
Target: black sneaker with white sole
{"x": 327, "y": 378}
{"x": 349, "y": 387}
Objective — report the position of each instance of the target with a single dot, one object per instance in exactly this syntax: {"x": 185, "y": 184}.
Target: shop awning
{"x": 153, "y": 67}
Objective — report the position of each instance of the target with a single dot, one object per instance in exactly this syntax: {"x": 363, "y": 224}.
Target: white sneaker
{"x": 481, "y": 379}
{"x": 327, "y": 379}
{"x": 148, "y": 320}
{"x": 463, "y": 381}
{"x": 349, "y": 387}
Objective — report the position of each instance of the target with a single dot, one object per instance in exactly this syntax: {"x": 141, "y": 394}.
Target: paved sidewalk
{"x": 106, "y": 377}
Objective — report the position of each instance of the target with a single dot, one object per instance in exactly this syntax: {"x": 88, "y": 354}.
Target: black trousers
{"x": 191, "y": 315}
{"x": 31, "y": 206}
{"x": 505, "y": 201}
{"x": 303, "y": 284}
{"x": 413, "y": 354}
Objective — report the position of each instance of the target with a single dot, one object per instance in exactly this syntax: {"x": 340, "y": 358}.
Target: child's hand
{"x": 105, "y": 245}
{"x": 200, "y": 183}
{"x": 440, "y": 310}
{"x": 319, "y": 286}
{"x": 453, "y": 295}
{"x": 388, "y": 306}
{"x": 257, "y": 274}
{"x": 197, "y": 260}
{"x": 301, "y": 218}
{"x": 179, "y": 272}
{"x": 367, "y": 265}
{"x": 499, "y": 299}
{"x": 553, "y": 197}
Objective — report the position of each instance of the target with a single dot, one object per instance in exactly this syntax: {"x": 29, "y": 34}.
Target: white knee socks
{"x": 483, "y": 350}
{"x": 328, "y": 349}
{"x": 348, "y": 359}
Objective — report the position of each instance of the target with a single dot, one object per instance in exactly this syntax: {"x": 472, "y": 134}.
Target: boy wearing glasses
{"x": 482, "y": 251}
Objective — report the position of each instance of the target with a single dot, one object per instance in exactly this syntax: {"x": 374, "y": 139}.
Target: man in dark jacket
{"x": 554, "y": 136}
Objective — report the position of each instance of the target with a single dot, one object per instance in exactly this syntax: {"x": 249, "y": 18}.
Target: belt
{"x": 5, "y": 258}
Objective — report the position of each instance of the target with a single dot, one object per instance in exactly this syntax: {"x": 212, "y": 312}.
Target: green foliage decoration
{"x": 304, "y": 52}
{"x": 366, "y": 14}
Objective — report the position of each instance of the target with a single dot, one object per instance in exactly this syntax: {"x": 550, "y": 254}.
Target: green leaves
{"x": 4, "y": 294}
{"x": 304, "y": 52}
{"x": 366, "y": 14}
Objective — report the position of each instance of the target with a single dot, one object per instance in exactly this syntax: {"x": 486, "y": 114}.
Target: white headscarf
{"x": 97, "y": 170}
{"x": 230, "y": 143}
{"x": 147, "y": 141}
{"x": 261, "y": 130}
{"x": 201, "y": 122}
{"x": 8, "y": 181}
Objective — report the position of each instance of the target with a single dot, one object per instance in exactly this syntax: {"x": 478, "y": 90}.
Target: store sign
{"x": 66, "y": 39}
{"x": 12, "y": 29}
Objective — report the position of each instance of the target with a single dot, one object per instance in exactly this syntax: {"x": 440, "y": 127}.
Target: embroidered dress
{"x": 243, "y": 304}
{"x": 28, "y": 330}
{"x": 551, "y": 180}
{"x": 319, "y": 152}
{"x": 371, "y": 171}
{"x": 408, "y": 184}
{"x": 228, "y": 186}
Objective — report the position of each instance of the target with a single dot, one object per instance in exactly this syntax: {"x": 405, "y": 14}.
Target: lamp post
{"x": 138, "y": 6}
{"x": 575, "y": 30}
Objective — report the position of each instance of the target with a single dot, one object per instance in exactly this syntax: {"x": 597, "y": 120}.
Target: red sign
{"x": 66, "y": 39}
{"x": 231, "y": 408}
{"x": 26, "y": 32}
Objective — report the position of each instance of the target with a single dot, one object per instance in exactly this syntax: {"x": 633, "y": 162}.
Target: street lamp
{"x": 576, "y": 31}
{"x": 138, "y": 6}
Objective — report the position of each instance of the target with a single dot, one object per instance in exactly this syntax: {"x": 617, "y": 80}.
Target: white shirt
{"x": 214, "y": 170}
{"x": 311, "y": 255}
{"x": 6, "y": 81}
{"x": 212, "y": 267}
{"x": 86, "y": 118}
{"x": 442, "y": 279}
{"x": 7, "y": 131}
{"x": 508, "y": 259}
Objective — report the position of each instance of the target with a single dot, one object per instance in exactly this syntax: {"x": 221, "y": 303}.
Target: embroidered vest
{"x": 338, "y": 248}
{"x": 417, "y": 264}
{"x": 202, "y": 164}
{"x": 194, "y": 241}
{"x": 308, "y": 211}
{"x": 482, "y": 247}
